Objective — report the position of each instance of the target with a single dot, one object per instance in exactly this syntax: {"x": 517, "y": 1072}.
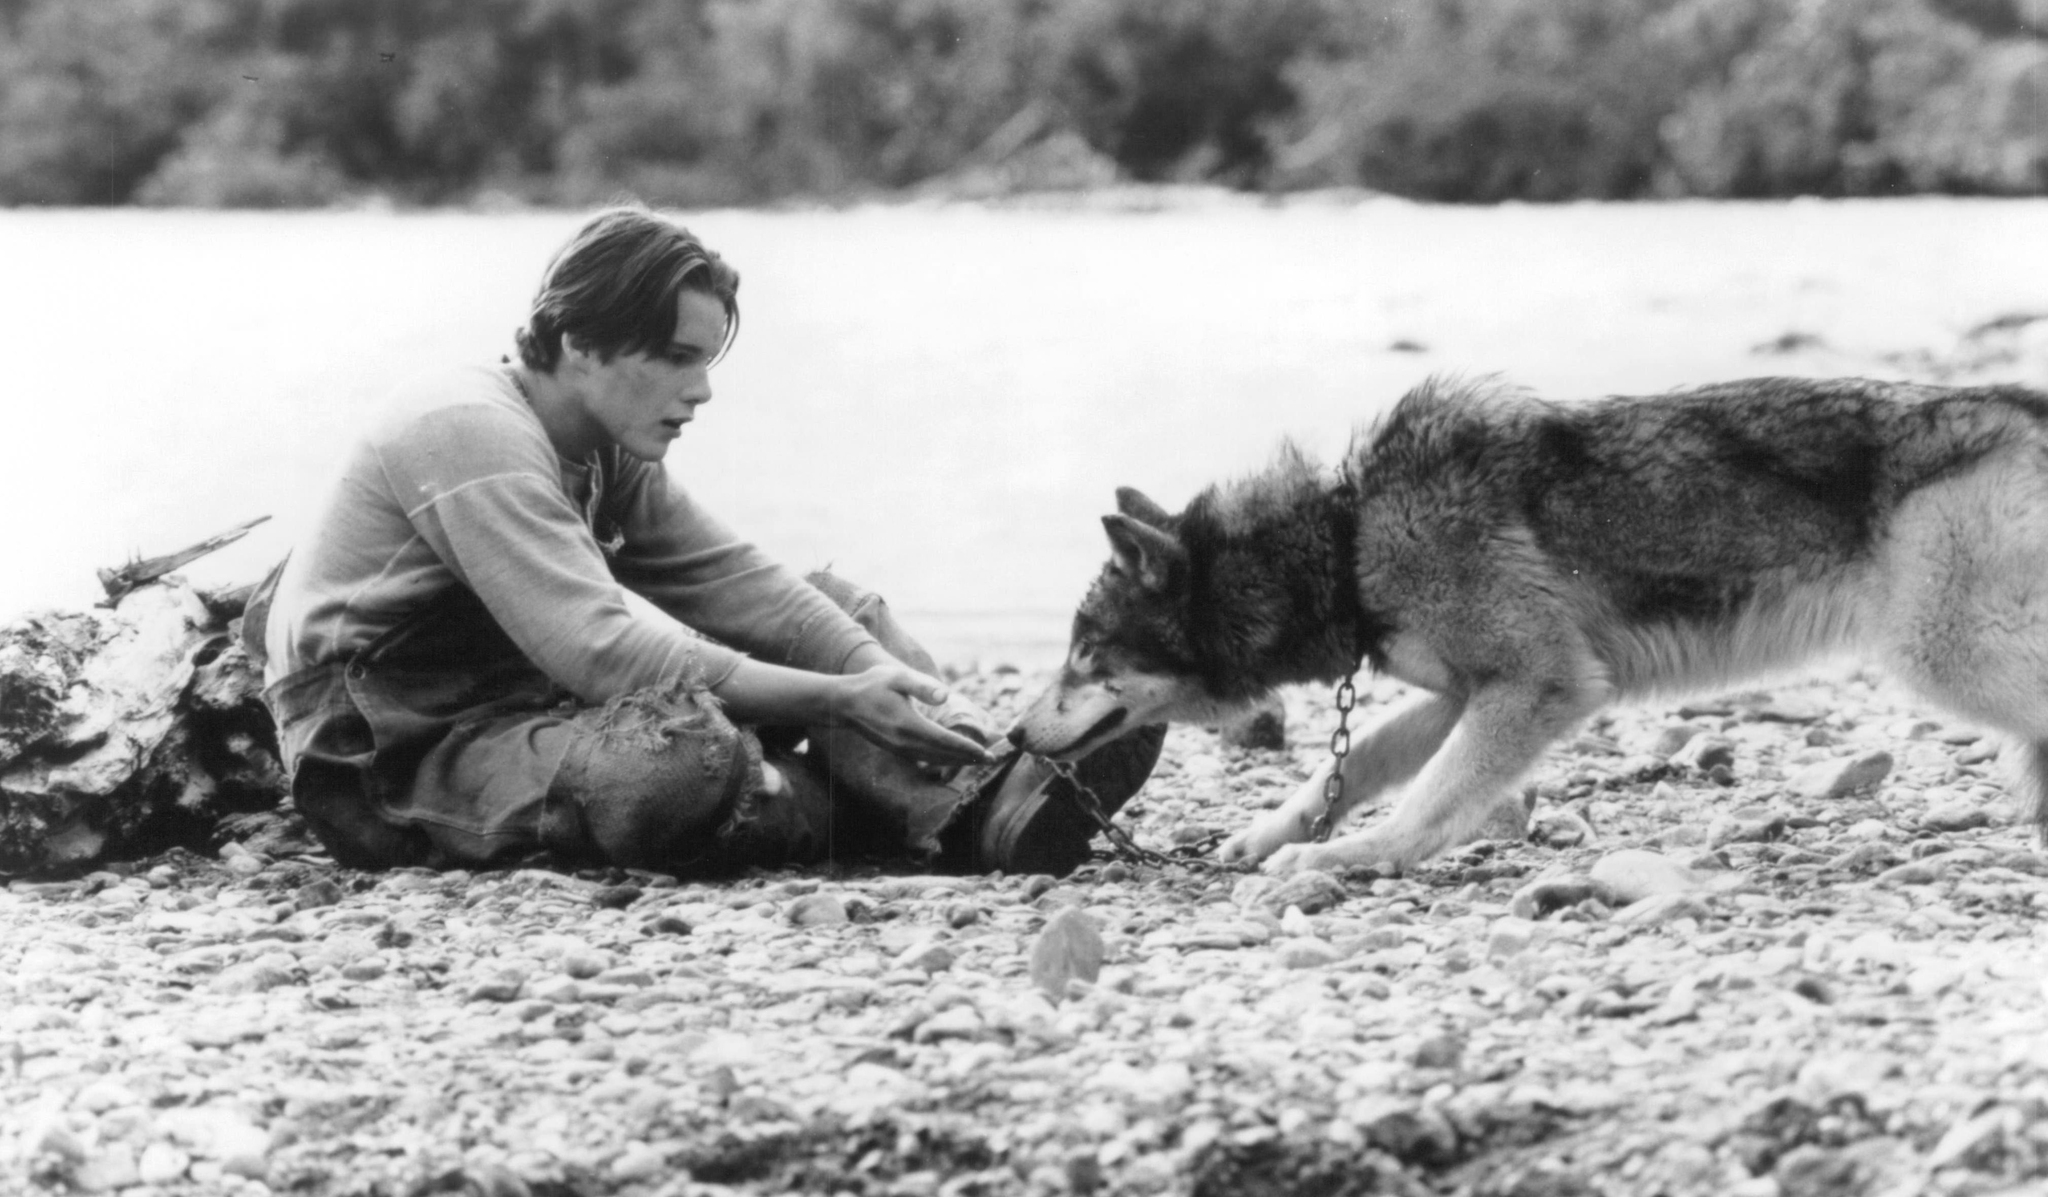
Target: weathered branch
{"x": 119, "y": 582}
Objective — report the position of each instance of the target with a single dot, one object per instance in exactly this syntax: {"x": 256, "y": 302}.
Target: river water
{"x": 938, "y": 400}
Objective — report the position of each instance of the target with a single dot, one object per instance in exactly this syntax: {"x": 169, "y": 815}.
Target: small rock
{"x": 316, "y": 894}
{"x": 220, "y": 1031}
{"x": 1539, "y": 898}
{"x": 1559, "y": 827}
{"x": 668, "y": 924}
{"x": 101, "y": 1096}
{"x": 1702, "y": 753}
{"x": 1972, "y": 1138}
{"x": 1731, "y": 830}
{"x": 1911, "y": 873}
{"x": 1442, "y": 1050}
{"x": 928, "y": 956}
{"x": 1412, "y": 1134}
{"x": 1841, "y": 776}
{"x": 1673, "y": 737}
{"x": 558, "y": 989}
{"x": 954, "y": 1022}
{"x": 1959, "y": 815}
{"x": 1306, "y": 953}
{"x": 639, "y": 1162}
{"x": 819, "y": 910}
{"x": 1864, "y": 856}
{"x": 1789, "y": 709}
{"x": 1068, "y": 949}
{"x": 585, "y": 963}
{"x": 616, "y": 897}
{"x": 1311, "y": 890}
{"x": 58, "y": 1140}
{"x": 1509, "y": 937}
{"x": 367, "y": 968}
{"x": 1633, "y": 874}
{"x": 502, "y": 987}
{"x": 1815, "y": 990}
{"x": 161, "y": 1164}
{"x": 1661, "y": 908}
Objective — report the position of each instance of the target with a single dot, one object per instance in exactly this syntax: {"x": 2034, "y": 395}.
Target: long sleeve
{"x": 688, "y": 563}
{"x": 486, "y": 496}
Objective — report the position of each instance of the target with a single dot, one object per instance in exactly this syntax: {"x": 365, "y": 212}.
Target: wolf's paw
{"x": 1267, "y": 834}
{"x": 1295, "y": 858}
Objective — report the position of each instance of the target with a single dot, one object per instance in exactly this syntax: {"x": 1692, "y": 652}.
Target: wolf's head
{"x": 1135, "y": 656}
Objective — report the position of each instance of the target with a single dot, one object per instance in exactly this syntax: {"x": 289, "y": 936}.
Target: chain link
{"x": 1120, "y": 841}
{"x": 1340, "y": 747}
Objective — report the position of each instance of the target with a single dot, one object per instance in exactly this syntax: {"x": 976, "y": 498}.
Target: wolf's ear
{"x": 1132, "y": 502}
{"x": 1141, "y": 552}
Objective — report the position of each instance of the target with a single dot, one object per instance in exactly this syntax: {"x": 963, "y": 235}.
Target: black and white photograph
{"x": 1024, "y": 598}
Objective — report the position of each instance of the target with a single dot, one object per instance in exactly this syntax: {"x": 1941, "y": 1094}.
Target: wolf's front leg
{"x": 1504, "y": 732}
{"x": 1386, "y": 756}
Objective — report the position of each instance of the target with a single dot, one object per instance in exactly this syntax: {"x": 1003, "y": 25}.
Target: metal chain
{"x": 1120, "y": 841}
{"x": 1340, "y": 747}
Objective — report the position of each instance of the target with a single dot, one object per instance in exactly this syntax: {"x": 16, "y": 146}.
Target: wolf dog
{"x": 1524, "y": 563}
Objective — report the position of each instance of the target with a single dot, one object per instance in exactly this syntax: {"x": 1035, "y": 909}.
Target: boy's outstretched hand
{"x": 882, "y": 703}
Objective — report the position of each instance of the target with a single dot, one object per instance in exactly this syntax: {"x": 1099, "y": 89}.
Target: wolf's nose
{"x": 1017, "y": 736}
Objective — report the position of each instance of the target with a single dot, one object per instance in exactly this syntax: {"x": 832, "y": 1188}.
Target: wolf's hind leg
{"x": 1391, "y": 753}
{"x": 2030, "y": 786}
{"x": 1505, "y": 730}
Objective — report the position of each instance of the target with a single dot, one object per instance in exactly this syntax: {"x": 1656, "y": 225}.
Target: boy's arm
{"x": 687, "y": 562}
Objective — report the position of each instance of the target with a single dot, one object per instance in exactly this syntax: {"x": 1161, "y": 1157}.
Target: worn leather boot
{"x": 896, "y": 803}
{"x": 1022, "y": 817}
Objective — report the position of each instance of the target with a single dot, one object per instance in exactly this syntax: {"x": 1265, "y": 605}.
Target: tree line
{"x": 278, "y": 103}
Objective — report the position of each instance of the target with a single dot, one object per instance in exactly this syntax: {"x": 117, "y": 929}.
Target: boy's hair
{"x": 613, "y": 287}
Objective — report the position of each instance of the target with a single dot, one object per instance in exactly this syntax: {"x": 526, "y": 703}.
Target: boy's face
{"x": 640, "y": 401}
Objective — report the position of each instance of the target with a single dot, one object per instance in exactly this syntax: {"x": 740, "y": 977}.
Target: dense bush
{"x": 304, "y": 102}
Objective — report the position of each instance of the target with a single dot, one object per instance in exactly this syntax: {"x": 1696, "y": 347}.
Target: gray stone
{"x": 1702, "y": 753}
{"x": 1509, "y": 937}
{"x": 1841, "y": 776}
{"x": 1633, "y": 874}
{"x": 928, "y": 956}
{"x": 1661, "y": 908}
{"x": 162, "y": 1163}
{"x": 1958, "y": 815}
{"x": 1673, "y": 737}
{"x": 1551, "y": 894}
{"x": 954, "y": 1022}
{"x": 1306, "y": 953}
{"x": 1311, "y": 891}
{"x": 501, "y": 987}
{"x": 819, "y": 910}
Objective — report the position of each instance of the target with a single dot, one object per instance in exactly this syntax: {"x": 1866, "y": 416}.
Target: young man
{"x": 511, "y": 630}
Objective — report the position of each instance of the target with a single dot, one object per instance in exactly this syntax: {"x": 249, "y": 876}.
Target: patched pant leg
{"x": 663, "y": 780}
{"x": 658, "y": 779}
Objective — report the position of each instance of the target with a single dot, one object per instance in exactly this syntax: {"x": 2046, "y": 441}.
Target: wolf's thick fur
{"x": 1526, "y": 563}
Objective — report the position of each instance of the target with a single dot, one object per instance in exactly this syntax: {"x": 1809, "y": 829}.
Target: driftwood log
{"x": 127, "y": 730}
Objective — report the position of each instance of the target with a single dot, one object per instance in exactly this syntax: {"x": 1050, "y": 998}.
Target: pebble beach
{"x": 1779, "y": 942}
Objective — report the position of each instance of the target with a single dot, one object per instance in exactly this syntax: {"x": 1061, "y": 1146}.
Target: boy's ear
{"x": 1132, "y": 502}
{"x": 1142, "y": 552}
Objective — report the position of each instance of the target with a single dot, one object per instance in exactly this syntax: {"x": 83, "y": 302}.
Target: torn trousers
{"x": 439, "y": 744}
